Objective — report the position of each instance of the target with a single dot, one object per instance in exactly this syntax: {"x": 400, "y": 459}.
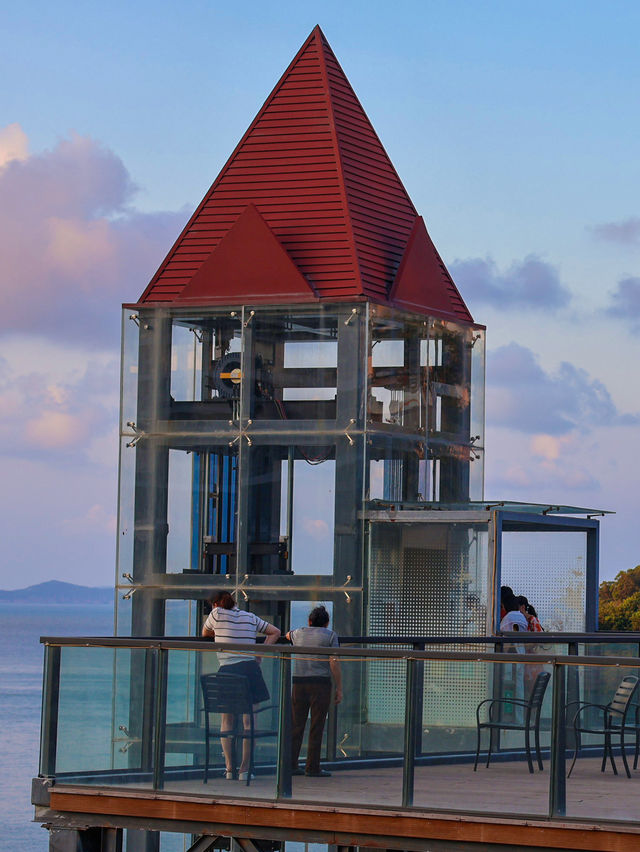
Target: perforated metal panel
{"x": 549, "y": 568}
{"x": 426, "y": 579}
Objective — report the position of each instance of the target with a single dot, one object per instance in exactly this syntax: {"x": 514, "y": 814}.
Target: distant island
{"x": 57, "y": 592}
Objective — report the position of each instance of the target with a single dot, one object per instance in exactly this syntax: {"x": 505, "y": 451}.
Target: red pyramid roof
{"x": 313, "y": 166}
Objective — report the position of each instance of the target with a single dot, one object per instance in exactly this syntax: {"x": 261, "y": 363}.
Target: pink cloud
{"x": 316, "y": 528}
{"x": 95, "y": 519}
{"x": 73, "y": 246}
{"x": 54, "y": 412}
{"x": 52, "y": 430}
{"x": 13, "y": 144}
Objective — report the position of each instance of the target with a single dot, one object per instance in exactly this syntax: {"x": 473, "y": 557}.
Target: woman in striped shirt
{"x": 227, "y": 623}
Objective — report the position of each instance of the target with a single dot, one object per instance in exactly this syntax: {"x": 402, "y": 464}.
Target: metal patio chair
{"x": 229, "y": 693}
{"x": 611, "y": 721}
{"x": 530, "y": 724}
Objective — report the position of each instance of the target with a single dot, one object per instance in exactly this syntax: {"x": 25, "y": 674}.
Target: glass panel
{"x": 186, "y": 728}
{"x": 217, "y": 475}
{"x": 357, "y": 729}
{"x": 449, "y": 401}
{"x": 456, "y": 690}
{"x": 180, "y": 510}
{"x": 104, "y": 733}
{"x": 476, "y": 474}
{"x": 300, "y": 612}
{"x": 593, "y": 790}
{"x": 186, "y": 362}
{"x": 311, "y": 503}
{"x": 311, "y": 357}
{"x": 290, "y": 365}
{"x": 181, "y": 618}
{"x": 426, "y": 377}
{"x": 184, "y": 744}
{"x": 549, "y": 569}
{"x": 478, "y": 370}
{"x": 398, "y": 470}
{"x": 124, "y": 543}
{"x": 428, "y": 579}
{"x": 206, "y": 362}
{"x": 129, "y": 370}
{"x": 397, "y": 375}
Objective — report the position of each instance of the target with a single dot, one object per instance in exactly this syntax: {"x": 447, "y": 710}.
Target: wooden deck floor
{"x": 453, "y": 805}
{"x": 504, "y": 789}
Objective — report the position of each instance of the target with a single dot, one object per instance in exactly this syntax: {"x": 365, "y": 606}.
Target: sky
{"x": 514, "y": 127}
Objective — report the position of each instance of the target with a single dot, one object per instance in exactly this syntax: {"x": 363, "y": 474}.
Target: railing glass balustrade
{"x": 121, "y": 713}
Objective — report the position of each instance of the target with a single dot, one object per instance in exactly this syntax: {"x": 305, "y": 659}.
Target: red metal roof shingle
{"x": 315, "y": 170}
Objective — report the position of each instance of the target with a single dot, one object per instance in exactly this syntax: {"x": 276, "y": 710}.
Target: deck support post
{"x": 86, "y": 840}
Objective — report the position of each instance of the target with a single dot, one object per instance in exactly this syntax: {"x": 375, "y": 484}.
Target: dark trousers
{"x": 314, "y": 696}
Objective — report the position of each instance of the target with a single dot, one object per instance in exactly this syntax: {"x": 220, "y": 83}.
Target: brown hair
{"x": 223, "y": 599}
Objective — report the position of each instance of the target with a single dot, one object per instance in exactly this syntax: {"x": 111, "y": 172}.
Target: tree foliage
{"x": 620, "y": 601}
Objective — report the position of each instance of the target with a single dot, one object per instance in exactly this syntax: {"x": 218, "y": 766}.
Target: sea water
{"x": 21, "y": 664}
{"x": 21, "y": 658}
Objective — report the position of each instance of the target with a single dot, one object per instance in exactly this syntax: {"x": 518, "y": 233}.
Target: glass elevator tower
{"x": 256, "y": 439}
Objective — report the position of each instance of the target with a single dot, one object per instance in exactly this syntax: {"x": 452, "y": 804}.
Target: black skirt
{"x": 251, "y": 670}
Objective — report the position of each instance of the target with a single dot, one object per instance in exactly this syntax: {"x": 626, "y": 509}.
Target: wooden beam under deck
{"x": 374, "y": 827}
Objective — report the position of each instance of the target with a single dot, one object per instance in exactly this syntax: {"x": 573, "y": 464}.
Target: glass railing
{"x": 414, "y": 728}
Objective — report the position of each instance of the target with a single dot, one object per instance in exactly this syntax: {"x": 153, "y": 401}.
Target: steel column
{"x": 49, "y": 718}
{"x": 410, "y": 706}
{"x": 558, "y": 771}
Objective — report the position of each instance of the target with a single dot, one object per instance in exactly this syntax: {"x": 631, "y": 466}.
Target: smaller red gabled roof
{"x": 423, "y": 281}
{"x": 253, "y": 261}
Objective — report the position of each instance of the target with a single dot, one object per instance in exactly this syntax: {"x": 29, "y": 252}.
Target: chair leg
{"x": 637, "y": 749}
{"x": 527, "y": 746}
{"x": 475, "y": 765}
{"x": 206, "y": 757}
{"x": 575, "y": 753}
{"x": 491, "y": 730}
{"x": 624, "y": 753}
{"x": 538, "y": 752}
{"x": 251, "y": 741}
{"x": 608, "y": 750}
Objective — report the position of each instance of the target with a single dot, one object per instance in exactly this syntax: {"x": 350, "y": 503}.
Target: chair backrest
{"x": 226, "y": 693}
{"x": 538, "y": 690}
{"x": 620, "y": 702}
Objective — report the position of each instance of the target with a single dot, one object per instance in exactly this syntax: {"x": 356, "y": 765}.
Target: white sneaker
{"x": 243, "y": 776}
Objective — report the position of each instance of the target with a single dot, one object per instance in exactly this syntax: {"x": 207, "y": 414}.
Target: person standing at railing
{"x": 311, "y": 693}
{"x": 227, "y": 623}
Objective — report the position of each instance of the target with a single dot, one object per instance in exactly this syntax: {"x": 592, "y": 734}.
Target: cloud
{"x": 523, "y": 397}
{"x": 13, "y": 144}
{"x": 73, "y": 247}
{"x": 95, "y": 519}
{"x": 316, "y": 528}
{"x": 624, "y": 302}
{"x": 531, "y": 283}
{"x": 544, "y": 468}
{"x": 625, "y": 232}
{"x": 53, "y": 413}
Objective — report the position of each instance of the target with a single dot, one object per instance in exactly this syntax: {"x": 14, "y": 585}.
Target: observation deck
{"x": 123, "y": 745}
